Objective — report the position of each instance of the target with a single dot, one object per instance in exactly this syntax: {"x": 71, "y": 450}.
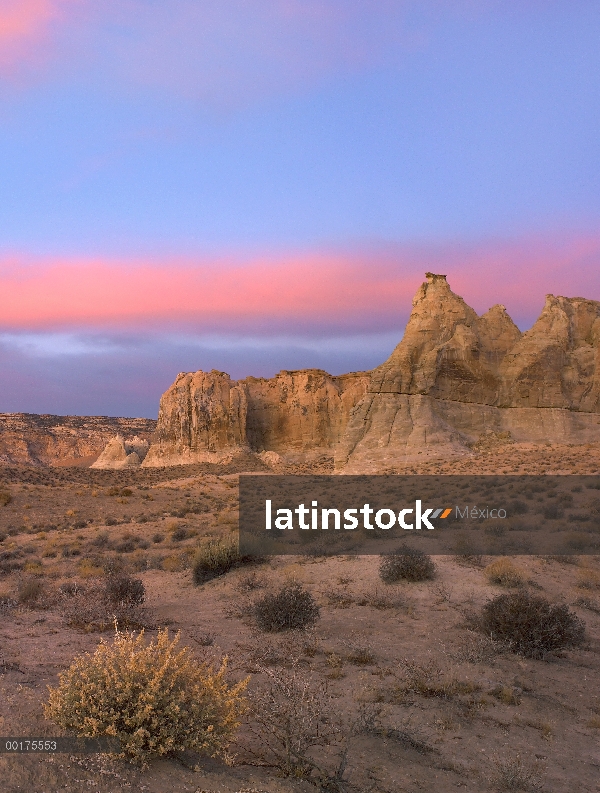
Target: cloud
{"x": 292, "y": 291}
{"x": 222, "y": 53}
{"x": 26, "y": 31}
{"x": 308, "y": 294}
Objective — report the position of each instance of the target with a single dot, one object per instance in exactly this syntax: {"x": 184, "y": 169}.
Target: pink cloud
{"x": 226, "y": 52}
{"x": 369, "y": 290}
{"x": 25, "y": 30}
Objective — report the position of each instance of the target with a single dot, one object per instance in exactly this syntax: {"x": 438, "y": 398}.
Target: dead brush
{"x": 382, "y": 599}
{"x": 250, "y": 582}
{"x": 504, "y": 573}
{"x": 514, "y": 775}
{"x": 406, "y": 564}
{"x": 290, "y": 608}
{"x": 338, "y": 598}
{"x": 531, "y": 625}
{"x": 475, "y": 648}
{"x": 296, "y": 727}
{"x": 429, "y": 680}
{"x": 97, "y": 608}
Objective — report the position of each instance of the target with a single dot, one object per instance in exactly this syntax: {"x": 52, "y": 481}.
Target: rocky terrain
{"x": 455, "y": 378}
{"x": 30, "y": 439}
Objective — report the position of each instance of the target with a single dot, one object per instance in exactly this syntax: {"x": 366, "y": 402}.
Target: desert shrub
{"x": 180, "y": 533}
{"x": 514, "y": 775}
{"x": 122, "y": 589}
{"x": 5, "y": 498}
{"x": 408, "y": 564}
{"x": 97, "y": 607}
{"x": 588, "y": 579}
{"x": 110, "y": 521}
{"x": 154, "y": 697}
{"x": 517, "y": 507}
{"x": 30, "y": 590}
{"x": 553, "y": 512}
{"x": 101, "y": 540}
{"x": 119, "y": 491}
{"x": 504, "y": 572}
{"x": 296, "y": 727}
{"x": 531, "y": 625}
{"x": 292, "y": 607}
{"x": 158, "y": 537}
{"x": 71, "y": 588}
{"x": 216, "y": 558}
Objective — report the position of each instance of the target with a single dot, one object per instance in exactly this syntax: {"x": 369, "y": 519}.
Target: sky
{"x": 257, "y": 185}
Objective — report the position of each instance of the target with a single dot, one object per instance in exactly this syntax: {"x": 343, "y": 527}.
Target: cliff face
{"x": 31, "y": 439}
{"x": 454, "y": 376}
{"x": 206, "y": 415}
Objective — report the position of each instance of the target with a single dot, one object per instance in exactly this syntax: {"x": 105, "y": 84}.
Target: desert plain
{"x": 406, "y": 686}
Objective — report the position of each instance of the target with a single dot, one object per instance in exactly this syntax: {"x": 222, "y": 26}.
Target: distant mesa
{"x": 454, "y": 378}
{"x": 47, "y": 440}
{"x": 120, "y": 453}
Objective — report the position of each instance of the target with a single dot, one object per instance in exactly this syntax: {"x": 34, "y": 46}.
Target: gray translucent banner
{"x": 467, "y": 515}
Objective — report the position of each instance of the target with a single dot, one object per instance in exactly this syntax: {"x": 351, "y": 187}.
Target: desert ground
{"x": 407, "y": 688}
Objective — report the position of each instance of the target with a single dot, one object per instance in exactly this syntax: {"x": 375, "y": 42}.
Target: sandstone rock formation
{"x": 31, "y": 439}
{"x": 454, "y": 377}
{"x": 206, "y": 416}
{"x": 120, "y": 453}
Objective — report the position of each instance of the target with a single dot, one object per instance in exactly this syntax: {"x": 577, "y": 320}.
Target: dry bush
{"x": 5, "y": 497}
{"x": 475, "y": 648}
{"x": 360, "y": 654}
{"x": 504, "y": 573}
{"x": 297, "y": 729}
{"x": 339, "y": 598}
{"x": 250, "y": 582}
{"x": 291, "y": 608}
{"x": 154, "y": 697}
{"x": 406, "y": 564}
{"x": 382, "y": 599}
{"x": 514, "y": 775}
{"x": 217, "y": 557}
{"x": 91, "y": 609}
{"x": 122, "y": 590}
{"x": 429, "y": 680}
{"x": 289, "y": 650}
{"x": 30, "y": 591}
{"x": 588, "y": 579}
{"x": 531, "y": 625}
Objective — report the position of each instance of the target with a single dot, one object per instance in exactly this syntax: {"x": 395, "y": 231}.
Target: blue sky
{"x": 213, "y": 136}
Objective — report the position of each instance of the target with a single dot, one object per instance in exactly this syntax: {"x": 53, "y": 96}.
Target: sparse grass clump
{"x": 504, "y": 573}
{"x": 217, "y": 557}
{"x": 154, "y": 697}
{"x": 5, "y": 497}
{"x": 124, "y": 590}
{"x": 30, "y": 590}
{"x": 406, "y": 564}
{"x": 531, "y": 625}
{"x": 291, "y": 608}
{"x": 514, "y": 775}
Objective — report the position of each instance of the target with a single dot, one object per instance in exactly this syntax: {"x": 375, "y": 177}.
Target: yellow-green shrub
{"x": 504, "y": 573}
{"x": 156, "y": 699}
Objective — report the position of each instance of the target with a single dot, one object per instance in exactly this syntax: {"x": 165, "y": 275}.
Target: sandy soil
{"x": 449, "y": 708}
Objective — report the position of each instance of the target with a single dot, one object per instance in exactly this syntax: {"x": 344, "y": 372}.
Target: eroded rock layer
{"x": 454, "y": 377}
{"x": 31, "y": 439}
{"x": 207, "y": 416}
